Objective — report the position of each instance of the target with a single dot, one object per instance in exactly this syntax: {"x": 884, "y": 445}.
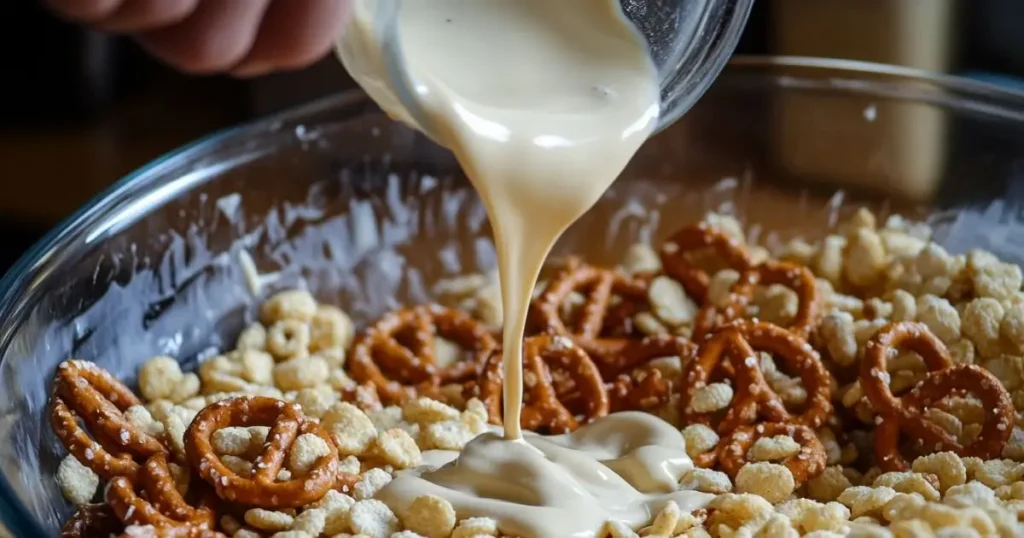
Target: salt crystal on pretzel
{"x": 738, "y": 343}
{"x": 543, "y": 408}
{"x": 599, "y": 315}
{"x": 907, "y": 414}
{"x": 84, "y": 390}
{"x": 396, "y": 354}
{"x": 676, "y": 252}
{"x": 262, "y": 489}
{"x": 162, "y": 505}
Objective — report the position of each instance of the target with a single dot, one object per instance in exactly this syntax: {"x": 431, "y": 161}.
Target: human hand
{"x": 243, "y": 37}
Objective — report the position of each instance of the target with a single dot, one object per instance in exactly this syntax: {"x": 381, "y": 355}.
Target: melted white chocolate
{"x": 543, "y": 102}
{"x": 624, "y": 467}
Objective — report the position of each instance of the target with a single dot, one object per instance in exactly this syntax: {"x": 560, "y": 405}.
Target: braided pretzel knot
{"x": 544, "y": 358}
{"x": 808, "y": 463}
{"x": 163, "y": 505}
{"x": 83, "y": 390}
{"x": 738, "y": 342}
{"x": 262, "y": 489}
{"x": 635, "y": 383}
{"x": 693, "y": 238}
{"x": 796, "y": 277}
{"x": 90, "y": 521}
{"x": 611, "y": 299}
{"x": 396, "y": 354}
{"x": 907, "y": 413}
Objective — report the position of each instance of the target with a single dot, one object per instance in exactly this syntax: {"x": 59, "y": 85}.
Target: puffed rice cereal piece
{"x": 475, "y": 527}
{"x": 237, "y": 371}
{"x": 161, "y": 378}
{"x": 991, "y": 277}
{"x": 865, "y": 258}
{"x": 641, "y": 258}
{"x": 288, "y": 338}
{"x": 738, "y": 510}
{"x": 771, "y": 481}
{"x": 268, "y": 520}
{"x": 430, "y": 516}
{"x": 775, "y": 448}
{"x": 336, "y": 506}
{"x": 315, "y": 401}
{"x": 670, "y": 303}
{"x": 981, "y": 321}
{"x": 904, "y": 306}
{"x": 291, "y": 304}
{"x": 713, "y": 397}
{"x": 425, "y": 411}
{"x": 252, "y": 337}
{"x": 699, "y": 439}
{"x": 370, "y": 483}
{"x": 306, "y": 451}
{"x": 828, "y": 485}
{"x": 397, "y": 448}
{"x": 706, "y": 481}
{"x": 720, "y": 286}
{"x": 300, "y": 372}
{"x": 837, "y": 332}
{"x": 311, "y": 521}
{"x": 910, "y": 482}
{"x": 77, "y": 483}
{"x": 995, "y": 473}
{"x": 865, "y": 500}
{"x": 373, "y": 519}
{"x": 940, "y": 316}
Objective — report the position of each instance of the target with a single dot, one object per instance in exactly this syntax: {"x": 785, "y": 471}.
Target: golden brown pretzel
{"x": 676, "y": 252}
{"x": 906, "y": 414}
{"x": 738, "y": 342}
{"x": 796, "y": 277}
{"x": 808, "y": 463}
{"x": 597, "y": 317}
{"x": 396, "y": 354}
{"x": 544, "y": 358}
{"x": 82, "y": 390}
{"x": 163, "y": 505}
{"x": 262, "y": 489}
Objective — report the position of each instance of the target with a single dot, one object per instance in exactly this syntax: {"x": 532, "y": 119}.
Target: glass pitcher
{"x": 690, "y": 42}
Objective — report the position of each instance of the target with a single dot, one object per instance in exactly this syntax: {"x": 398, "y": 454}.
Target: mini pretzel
{"x": 85, "y": 391}
{"x": 753, "y": 396}
{"x": 543, "y": 357}
{"x": 808, "y": 463}
{"x": 598, "y": 314}
{"x": 396, "y": 354}
{"x": 796, "y": 277}
{"x": 634, "y": 384}
{"x": 90, "y": 521}
{"x": 907, "y": 413}
{"x": 262, "y": 489}
{"x": 165, "y": 506}
{"x": 695, "y": 237}
{"x": 616, "y": 356}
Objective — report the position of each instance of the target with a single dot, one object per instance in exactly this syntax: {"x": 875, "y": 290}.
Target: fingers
{"x": 142, "y": 15}
{"x": 85, "y": 10}
{"x": 216, "y": 37}
{"x": 246, "y": 37}
{"x": 294, "y": 33}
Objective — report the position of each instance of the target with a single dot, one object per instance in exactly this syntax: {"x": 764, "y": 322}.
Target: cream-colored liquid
{"x": 625, "y": 467}
{"x": 543, "y": 103}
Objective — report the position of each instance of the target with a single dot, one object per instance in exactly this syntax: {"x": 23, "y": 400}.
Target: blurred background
{"x": 81, "y": 109}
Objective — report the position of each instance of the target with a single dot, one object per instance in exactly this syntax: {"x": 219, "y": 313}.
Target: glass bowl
{"x": 368, "y": 214}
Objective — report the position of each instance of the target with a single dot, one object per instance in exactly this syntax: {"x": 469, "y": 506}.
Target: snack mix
{"x": 870, "y": 384}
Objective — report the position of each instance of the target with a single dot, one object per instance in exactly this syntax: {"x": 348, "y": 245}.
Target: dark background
{"x": 80, "y": 109}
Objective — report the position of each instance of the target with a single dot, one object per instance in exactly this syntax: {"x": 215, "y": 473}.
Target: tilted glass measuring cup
{"x": 690, "y": 42}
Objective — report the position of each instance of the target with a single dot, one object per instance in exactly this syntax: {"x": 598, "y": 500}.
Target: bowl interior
{"x": 369, "y": 215}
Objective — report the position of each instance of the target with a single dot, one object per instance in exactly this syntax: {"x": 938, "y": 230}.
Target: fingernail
{"x": 252, "y": 70}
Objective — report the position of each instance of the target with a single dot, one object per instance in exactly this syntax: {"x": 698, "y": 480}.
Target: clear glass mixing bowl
{"x": 369, "y": 214}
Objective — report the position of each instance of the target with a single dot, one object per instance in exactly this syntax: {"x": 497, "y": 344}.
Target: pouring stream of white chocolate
{"x": 543, "y": 103}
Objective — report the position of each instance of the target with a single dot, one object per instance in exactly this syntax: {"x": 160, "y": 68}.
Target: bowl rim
{"x": 145, "y": 188}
